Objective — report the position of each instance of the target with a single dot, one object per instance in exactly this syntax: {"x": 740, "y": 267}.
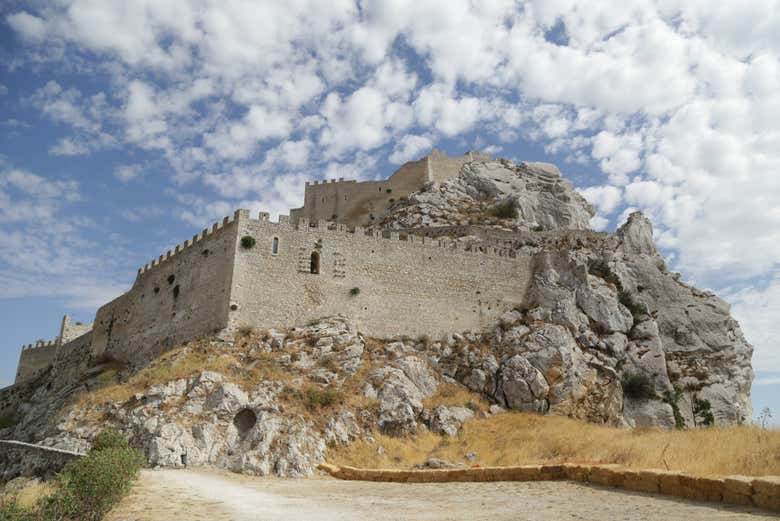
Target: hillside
{"x": 606, "y": 335}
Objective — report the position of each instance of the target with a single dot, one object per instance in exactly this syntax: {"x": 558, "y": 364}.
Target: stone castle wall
{"x": 182, "y": 295}
{"x": 405, "y": 285}
{"x": 442, "y": 167}
{"x": 354, "y": 203}
{"x": 34, "y": 360}
{"x": 412, "y": 286}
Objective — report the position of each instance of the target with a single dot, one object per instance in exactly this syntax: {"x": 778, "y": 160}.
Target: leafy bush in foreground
{"x": 87, "y": 488}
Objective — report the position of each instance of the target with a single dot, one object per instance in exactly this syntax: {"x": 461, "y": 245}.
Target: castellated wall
{"x": 409, "y": 287}
{"x": 34, "y": 360}
{"x": 442, "y": 167}
{"x": 182, "y": 295}
{"x": 353, "y": 203}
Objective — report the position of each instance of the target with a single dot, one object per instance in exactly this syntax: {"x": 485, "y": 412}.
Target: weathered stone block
{"x": 577, "y": 472}
{"x": 742, "y": 485}
{"x": 767, "y": 501}
{"x": 641, "y": 481}
{"x": 608, "y": 476}
{"x": 767, "y": 485}
{"x": 734, "y": 498}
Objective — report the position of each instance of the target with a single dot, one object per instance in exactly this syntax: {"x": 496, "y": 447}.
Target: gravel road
{"x": 205, "y": 494}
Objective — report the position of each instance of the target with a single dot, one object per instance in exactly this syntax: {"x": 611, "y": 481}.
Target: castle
{"x": 249, "y": 270}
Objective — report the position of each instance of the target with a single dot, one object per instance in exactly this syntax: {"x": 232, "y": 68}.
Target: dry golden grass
{"x": 521, "y": 439}
{"x": 452, "y": 395}
{"x": 30, "y": 495}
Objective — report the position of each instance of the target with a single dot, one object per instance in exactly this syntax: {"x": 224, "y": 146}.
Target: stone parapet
{"x": 761, "y": 492}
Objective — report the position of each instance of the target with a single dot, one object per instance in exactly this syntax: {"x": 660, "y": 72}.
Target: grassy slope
{"x": 520, "y": 438}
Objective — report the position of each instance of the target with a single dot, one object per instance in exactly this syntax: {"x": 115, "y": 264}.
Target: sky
{"x": 126, "y": 127}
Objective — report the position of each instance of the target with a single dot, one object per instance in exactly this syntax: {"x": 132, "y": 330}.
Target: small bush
{"x": 247, "y": 242}
{"x": 673, "y": 400}
{"x": 109, "y": 439}
{"x": 505, "y": 210}
{"x": 88, "y": 488}
{"x": 7, "y": 421}
{"x": 354, "y": 292}
{"x": 317, "y": 398}
{"x": 638, "y": 386}
{"x": 702, "y": 412}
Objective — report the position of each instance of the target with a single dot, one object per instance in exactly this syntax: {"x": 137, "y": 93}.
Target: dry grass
{"x": 452, "y": 395}
{"x": 182, "y": 362}
{"x": 520, "y": 439}
{"x": 30, "y": 495}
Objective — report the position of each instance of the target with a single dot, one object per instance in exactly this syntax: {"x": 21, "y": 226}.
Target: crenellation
{"x": 304, "y": 266}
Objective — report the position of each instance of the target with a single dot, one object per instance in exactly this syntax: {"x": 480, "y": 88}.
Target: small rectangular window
{"x": 275, "y": 249}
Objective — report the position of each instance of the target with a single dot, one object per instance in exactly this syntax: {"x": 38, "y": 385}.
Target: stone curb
{"x": 762, "y": 492}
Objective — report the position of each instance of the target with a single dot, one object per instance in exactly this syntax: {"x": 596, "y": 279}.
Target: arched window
{"x": 315, "y": 263}
{"x": 275, "y": 248}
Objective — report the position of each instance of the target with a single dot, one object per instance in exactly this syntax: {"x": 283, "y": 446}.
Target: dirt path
{"x": 201, "y": 494}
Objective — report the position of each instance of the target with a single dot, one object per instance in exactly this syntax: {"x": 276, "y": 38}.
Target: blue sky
{"x": 128, "y": 126}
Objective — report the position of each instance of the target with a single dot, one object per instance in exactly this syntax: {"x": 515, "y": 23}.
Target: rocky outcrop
{"x": 607, "y": 334}
{"x": 528, "y": 196}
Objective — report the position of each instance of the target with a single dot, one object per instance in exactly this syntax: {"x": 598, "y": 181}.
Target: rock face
{"x": 607, "y": 335}
{"x": 536, "y": 193}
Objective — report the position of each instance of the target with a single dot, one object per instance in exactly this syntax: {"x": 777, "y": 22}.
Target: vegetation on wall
{"x": 354, "y": 292}
{"x": 504, "y": 210}
{"x": 247, "y": 242}
{"x": 638, "y": 386}
{"x": 702, "y": 412}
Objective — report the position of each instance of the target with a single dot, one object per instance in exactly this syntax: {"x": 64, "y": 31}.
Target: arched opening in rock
{"x": 245, "y": 420}
{"x": 315, "y": 263}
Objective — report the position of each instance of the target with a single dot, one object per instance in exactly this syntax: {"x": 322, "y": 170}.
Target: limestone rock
{"x": 521, "y": 386}
{"x": 447, "y": 420}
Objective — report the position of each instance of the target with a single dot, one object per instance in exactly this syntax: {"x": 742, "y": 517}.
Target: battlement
{"x": 216, "y": 228}
{"x": 329, "y": 182}
{"x": 41, "y": 344}
{"x": 404, "y": 240}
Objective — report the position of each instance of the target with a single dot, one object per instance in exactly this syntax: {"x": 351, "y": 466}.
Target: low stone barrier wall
{"x": 763, "y": 492}
{"x": 18, "y": 458}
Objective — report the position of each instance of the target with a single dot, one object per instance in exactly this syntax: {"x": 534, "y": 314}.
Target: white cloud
{"x": 68, "y": 147}
{"x": 410, "y": 147}
{"x": 127, "y": 173}
{"x": 605, "y": 198}
{"x": 757, "y": 310}
{"x": 28, "y": 26}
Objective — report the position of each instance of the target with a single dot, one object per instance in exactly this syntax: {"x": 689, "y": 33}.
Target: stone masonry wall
{"x": 353, "y": 203}
{"x": 180, "y": 296}
{"x": 410, "y": 287}
{"x": 34, "y": 360}
{"x": 442, "y": 167}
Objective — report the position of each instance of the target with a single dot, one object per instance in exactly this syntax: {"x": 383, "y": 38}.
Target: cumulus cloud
{"x": 757, "y": 309}
{"x": 410, "y": 147}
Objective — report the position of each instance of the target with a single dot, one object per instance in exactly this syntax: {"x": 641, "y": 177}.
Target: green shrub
{"x": 673, "y": 400}
{"x": 89, "y": 487}
{"x": 316, "y": 398}
{"x": 702, "y": 411}
{"x": 109, "y": 439}
{"x": 354, "y": 292}
{"x": 505, "y": 210}
{"x": 7, "y": 421}
{"x": 638, "y": 386}
{"x": 247, "y": 242}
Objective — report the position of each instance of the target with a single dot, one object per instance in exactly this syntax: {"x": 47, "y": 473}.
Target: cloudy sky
{"x": 128, "y": 126}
